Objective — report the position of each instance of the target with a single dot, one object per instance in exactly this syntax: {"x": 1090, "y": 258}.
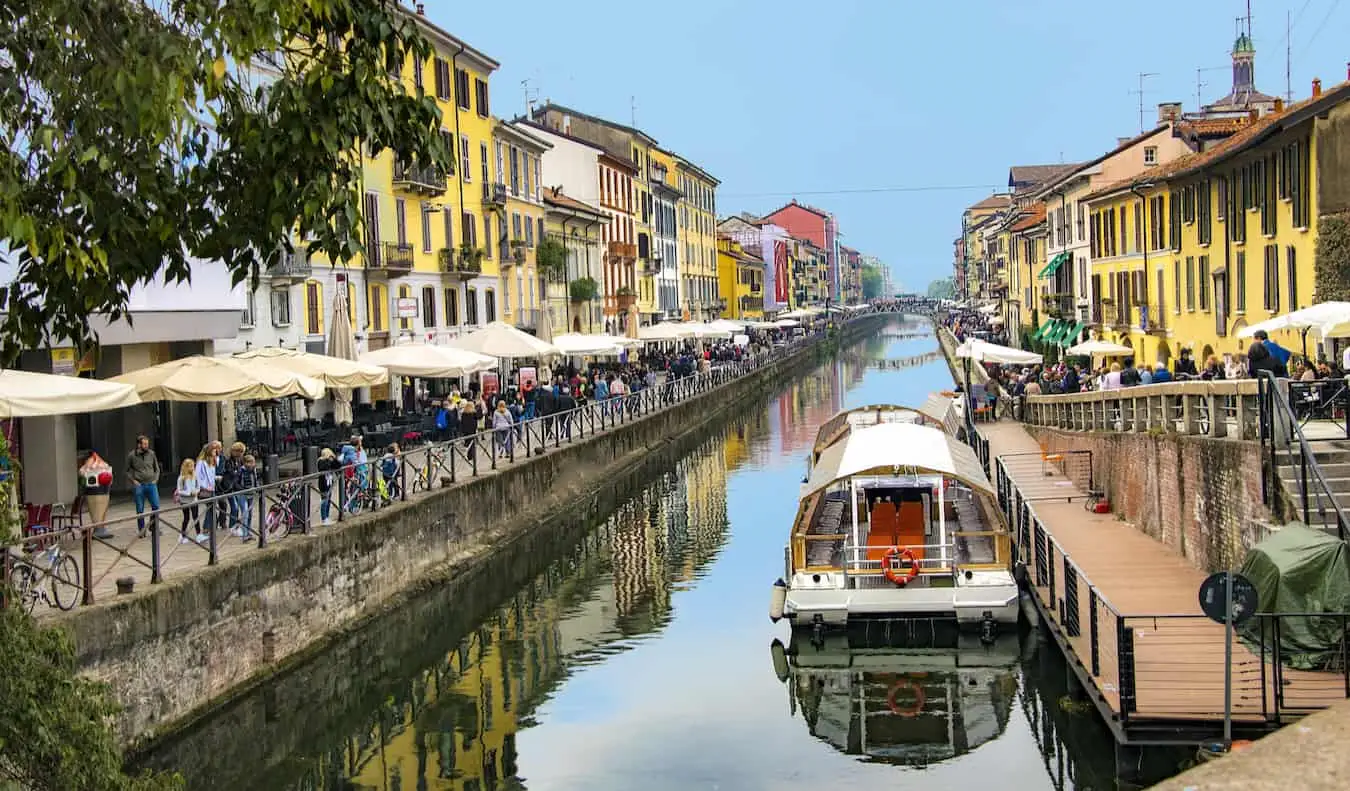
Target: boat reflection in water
{"x": 939, "y": 697}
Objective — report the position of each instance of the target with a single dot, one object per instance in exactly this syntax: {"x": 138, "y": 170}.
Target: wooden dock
{"x": 1126, "y": 611}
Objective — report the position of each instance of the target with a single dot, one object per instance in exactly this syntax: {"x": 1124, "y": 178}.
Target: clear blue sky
{"x": 816, "y": 99}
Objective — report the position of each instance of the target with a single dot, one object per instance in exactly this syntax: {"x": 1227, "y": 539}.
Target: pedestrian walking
{"x": 143, "y": 475}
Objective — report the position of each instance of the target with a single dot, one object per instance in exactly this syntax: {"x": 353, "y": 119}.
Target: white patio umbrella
{"x": 333, "y": 371}
{"x": 728, "y": 325}
{"x": 702, "y": 330}
{"x": 200, "y": 378}
{"x": 544, "y": 331}
{"x": 342, "y": 345}
{"x": 575, "y": 343}
{"x": 787, "y": 323}
{"x": 800, "y": 313}
{"x": 665, "y": 331}
{"x": 429, "y": 362}
{"x": 985, "y": 352}
{"x": 499, "y": 339}
{"x": 30, "y": 394}
{"x": 1324, "y": 315}
{"x": 1099, "y": 348}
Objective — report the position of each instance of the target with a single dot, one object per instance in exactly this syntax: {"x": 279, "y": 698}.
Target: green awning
{"x": 1055, "y": 263}
{"x": 1074, "y": 329}
{"x": 1046, "y": 330}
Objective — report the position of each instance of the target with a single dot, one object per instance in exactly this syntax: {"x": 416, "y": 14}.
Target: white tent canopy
{"x": 499, "y": 339}
{"x": 785, "y": 323}
{"x": 429, "y": 362}
{"x": 575, "y": 343}
{"x": 665, "y": 331}
{"x": 1330, "y": 319}
{"x": 1099, "y": 348}
{"x": 702, "y": 330}
{"x": 800, "y": 313}
{"x": 200, "y": 378}
{"x": 728, "y": 325}
{"x": 985, "y": 352}
{"x": 885, "y": 448}
{"x": 29, "y": 394}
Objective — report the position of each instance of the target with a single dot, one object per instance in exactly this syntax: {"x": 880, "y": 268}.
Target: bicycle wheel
{"x": 24, "y": 579}
{"x": 356, "y": 504}
{"x": 66, "y": 584}
{"x": 277, "y": 523}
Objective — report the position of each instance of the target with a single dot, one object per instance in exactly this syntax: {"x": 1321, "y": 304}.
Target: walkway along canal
{"x": 627, "y": 647}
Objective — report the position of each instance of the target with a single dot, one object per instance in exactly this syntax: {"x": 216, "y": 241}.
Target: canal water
{"x": 640, "y": 657}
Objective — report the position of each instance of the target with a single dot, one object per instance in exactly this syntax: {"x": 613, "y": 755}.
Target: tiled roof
{"x": 1251, "y": 134}
{"x": 1034, "y": 217}
{"x": 1215, "y": 126}
{"x": 998, "y": 201}
{"x": 557, "y": 198}
{"x": 818, "y": 212}
{"x": 1037, "y": 174}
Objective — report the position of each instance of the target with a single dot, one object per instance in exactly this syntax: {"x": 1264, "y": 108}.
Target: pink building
{"x": 815, "y": 226}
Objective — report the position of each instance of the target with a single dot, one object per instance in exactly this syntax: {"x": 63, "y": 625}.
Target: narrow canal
{"x": 639, "y": 657}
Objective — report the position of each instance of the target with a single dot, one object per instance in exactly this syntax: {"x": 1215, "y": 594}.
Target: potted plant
{"x": 582, "y": 289}
{"x": 626, "y": 296}
{"x": 550, "y": 259}
{"x": 471, "y": 257}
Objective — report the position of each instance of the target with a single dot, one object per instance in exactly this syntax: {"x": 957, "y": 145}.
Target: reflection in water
{"x": 635, "y": 659}
{"x": 909, "y": 708}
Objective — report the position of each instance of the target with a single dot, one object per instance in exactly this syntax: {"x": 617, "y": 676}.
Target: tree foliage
{"x": 942, "y": 288}
{"x": 871, "y": 281}
{"x": 1332, "y": 258}
{"x": 550, "y": 258}
{"x": 140, "y": 135}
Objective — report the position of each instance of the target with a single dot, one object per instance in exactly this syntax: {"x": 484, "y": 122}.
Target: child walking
{"x": 185, "y": 494}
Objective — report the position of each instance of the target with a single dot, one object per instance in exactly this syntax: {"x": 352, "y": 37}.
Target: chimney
{"x": 1169, "y": 112}
{"x": 1279, "y": 105}
{"x": 1120, "y": 141}
{"x": 421, "y": 10}
{"x": 1317, "y": 87}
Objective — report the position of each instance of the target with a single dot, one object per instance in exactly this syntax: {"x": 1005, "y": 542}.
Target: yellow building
{"x": 697, "y": 209}
{"x": 426, "y": 268}
{"x": 579, "y": 226}
{"x": 666, "y": 245}
{"x": 1192, "y": 251}
{"x": 516, "y": 203}
{"x": 1026, "y": 259}
{"x": 740, "y": 280}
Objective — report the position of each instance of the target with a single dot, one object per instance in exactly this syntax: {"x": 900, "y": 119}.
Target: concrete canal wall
{"x": 177, "y": 651}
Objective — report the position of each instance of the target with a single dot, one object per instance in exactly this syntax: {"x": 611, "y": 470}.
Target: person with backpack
{"x": 227, "y": 482}
{"x": 328, "y": 467}
{"x": 389, "y": 464}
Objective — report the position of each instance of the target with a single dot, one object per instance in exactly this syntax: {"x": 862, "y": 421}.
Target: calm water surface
{"x": 640, "y": 658}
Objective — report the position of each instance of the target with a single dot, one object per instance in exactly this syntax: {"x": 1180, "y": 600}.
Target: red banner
{"x": 780, "y": 272}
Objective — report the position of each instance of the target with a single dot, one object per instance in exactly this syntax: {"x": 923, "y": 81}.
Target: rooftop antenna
{"x": 529, "y": 103}
{"x": 632, "y": 107}
{"x": 1200, "y": 85}
{"x": 1288, "y": 56}
{"x": 1142, "y": 76}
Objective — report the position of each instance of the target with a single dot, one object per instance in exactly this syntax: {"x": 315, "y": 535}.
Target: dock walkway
{"x": 1126, "y": 610}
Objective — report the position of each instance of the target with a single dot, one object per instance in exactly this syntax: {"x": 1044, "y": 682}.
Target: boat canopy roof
{"x": 941, "y": 409}
{"x": 891, "y": 449}
{"x": 838, "y": 427}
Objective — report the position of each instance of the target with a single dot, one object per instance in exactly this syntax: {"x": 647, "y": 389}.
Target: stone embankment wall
{"x": 1199, "y": 496}
{"x": 186, "y": 646}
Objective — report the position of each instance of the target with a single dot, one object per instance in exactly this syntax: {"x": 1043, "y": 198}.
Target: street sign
{"x": 1213, "y": 597}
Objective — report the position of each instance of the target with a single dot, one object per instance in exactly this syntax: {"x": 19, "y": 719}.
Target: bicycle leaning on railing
{"x": 52, "y": 569}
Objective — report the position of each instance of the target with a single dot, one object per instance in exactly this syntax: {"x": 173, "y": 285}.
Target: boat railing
{"x": 932, "y": 558}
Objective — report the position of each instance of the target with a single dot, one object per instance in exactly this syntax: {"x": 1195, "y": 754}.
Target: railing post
{"x": 1125, "y": 686}
{"x": 156, "y": 576}
{"x": 87, "y": 564}
{"x": 1094, "y": 636}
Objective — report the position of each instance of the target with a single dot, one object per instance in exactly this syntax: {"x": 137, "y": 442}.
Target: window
{"x": 442, "y": 72}
{"x": 1292, "y": 269}
{"x": 401, "y": 221}
{"x": 448, "y": 219}
{"x": 538, "y": 179}
{"x": 1082, "y": 213}
{"x": 1174, "y": 223}
{"x": 417, "y": 73}
{"x": 483, "y": 156}
{"x": 371, "y": 220}
{"x": 487, "y": 237}
{"x": 313, "y": 308}
{"x": 529, "y": 232}
{"x": 515, "y": 171}
{"x": 1176, "y": 285}
{"x": 470, "y": 306}
{"x": 451, "y": 307}
{"x": 1202, "y": 281}
{"x": 351, "y": 304}
{"x": 462, "y": 88}
{"x": 404, "y": 322}
{"x": 501, "y": 167}
{"x": 375, "y": 304}
{"x": 250, "y": 312}
{"x": 1204, "y": 229}
{"x": 1271, "y": 275}
{"x": 1241, "y": 298}
{"x": 515, "y": 227}
{"x": 1138, "y": 227}
{"x": 525, "y": 160}
{"x": 428, "y": 307}
{"x": 480, "y": 88}
{"x": 539, "y": 234}
{"x": 1190, "y": 283}
{"x": 469, "y": 227}
{"x": 281, "y": 307}
{"x": 1150, "y": 155}
{"x": 489, "y": 305}
{"x": 506, "y": 292}
{"x": 464, "y": 158}
{"x": 1221, "y": 203}
{"x": 426, "y": 227}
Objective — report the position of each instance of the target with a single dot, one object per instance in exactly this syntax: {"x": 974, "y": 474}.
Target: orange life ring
{"x": 913, "y": 710}
{"x": 888, "y": 567}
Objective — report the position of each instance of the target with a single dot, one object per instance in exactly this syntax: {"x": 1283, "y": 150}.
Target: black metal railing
{"x": 298, "y": 504}
{"x": 1284, "y": 445}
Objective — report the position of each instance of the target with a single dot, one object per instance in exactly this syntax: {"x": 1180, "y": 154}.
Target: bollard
{"x": 272, "y": 469}
{"x": 309, "y": 460}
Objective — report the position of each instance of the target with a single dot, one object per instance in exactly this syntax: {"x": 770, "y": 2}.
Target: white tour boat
{"x": 896, "y": 519}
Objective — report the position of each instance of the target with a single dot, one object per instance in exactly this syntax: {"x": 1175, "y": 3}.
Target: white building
{"x": 666, "y": 241}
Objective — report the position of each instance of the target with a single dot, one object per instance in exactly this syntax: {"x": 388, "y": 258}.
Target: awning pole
{"x": 853, "y": 491}
{"x": 942, "y": 518}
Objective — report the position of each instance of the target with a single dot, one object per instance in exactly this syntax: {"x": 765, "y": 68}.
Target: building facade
{"x": 579, "y": 227}
{"x": 697, "y": 208}
{"x": 516, "y": 203}
{"x": 665, "y": 255}
{"x": 740, "y": 278}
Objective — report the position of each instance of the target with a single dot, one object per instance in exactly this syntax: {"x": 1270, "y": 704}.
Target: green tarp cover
{"x": 1300, "y": 570}
{"x": 1055, "y": 263}
{"x": 1047, "y": 329}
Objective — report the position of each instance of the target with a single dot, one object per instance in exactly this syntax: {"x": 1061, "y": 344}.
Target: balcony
{"x": 293, "y": 267}
{"x": 494, "y": 195}
{"x": 391, "y": 258}
{"x": 1059, "y": 306}
{"x": 457, "y": 264}
{"x": 622, "y": 250}
{"x": 527, "y": 319}
{"x": 422, "y": 180}
{"x": 755, "y": 288}
{"x": 652, "y": 266}
{"x": 1152, "y": 318}
{"x": 752, "y": 303}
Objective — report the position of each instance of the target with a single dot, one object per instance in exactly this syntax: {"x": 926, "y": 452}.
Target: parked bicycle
{"x": 51, "y": 569}
{"x": 285, "y": 515}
